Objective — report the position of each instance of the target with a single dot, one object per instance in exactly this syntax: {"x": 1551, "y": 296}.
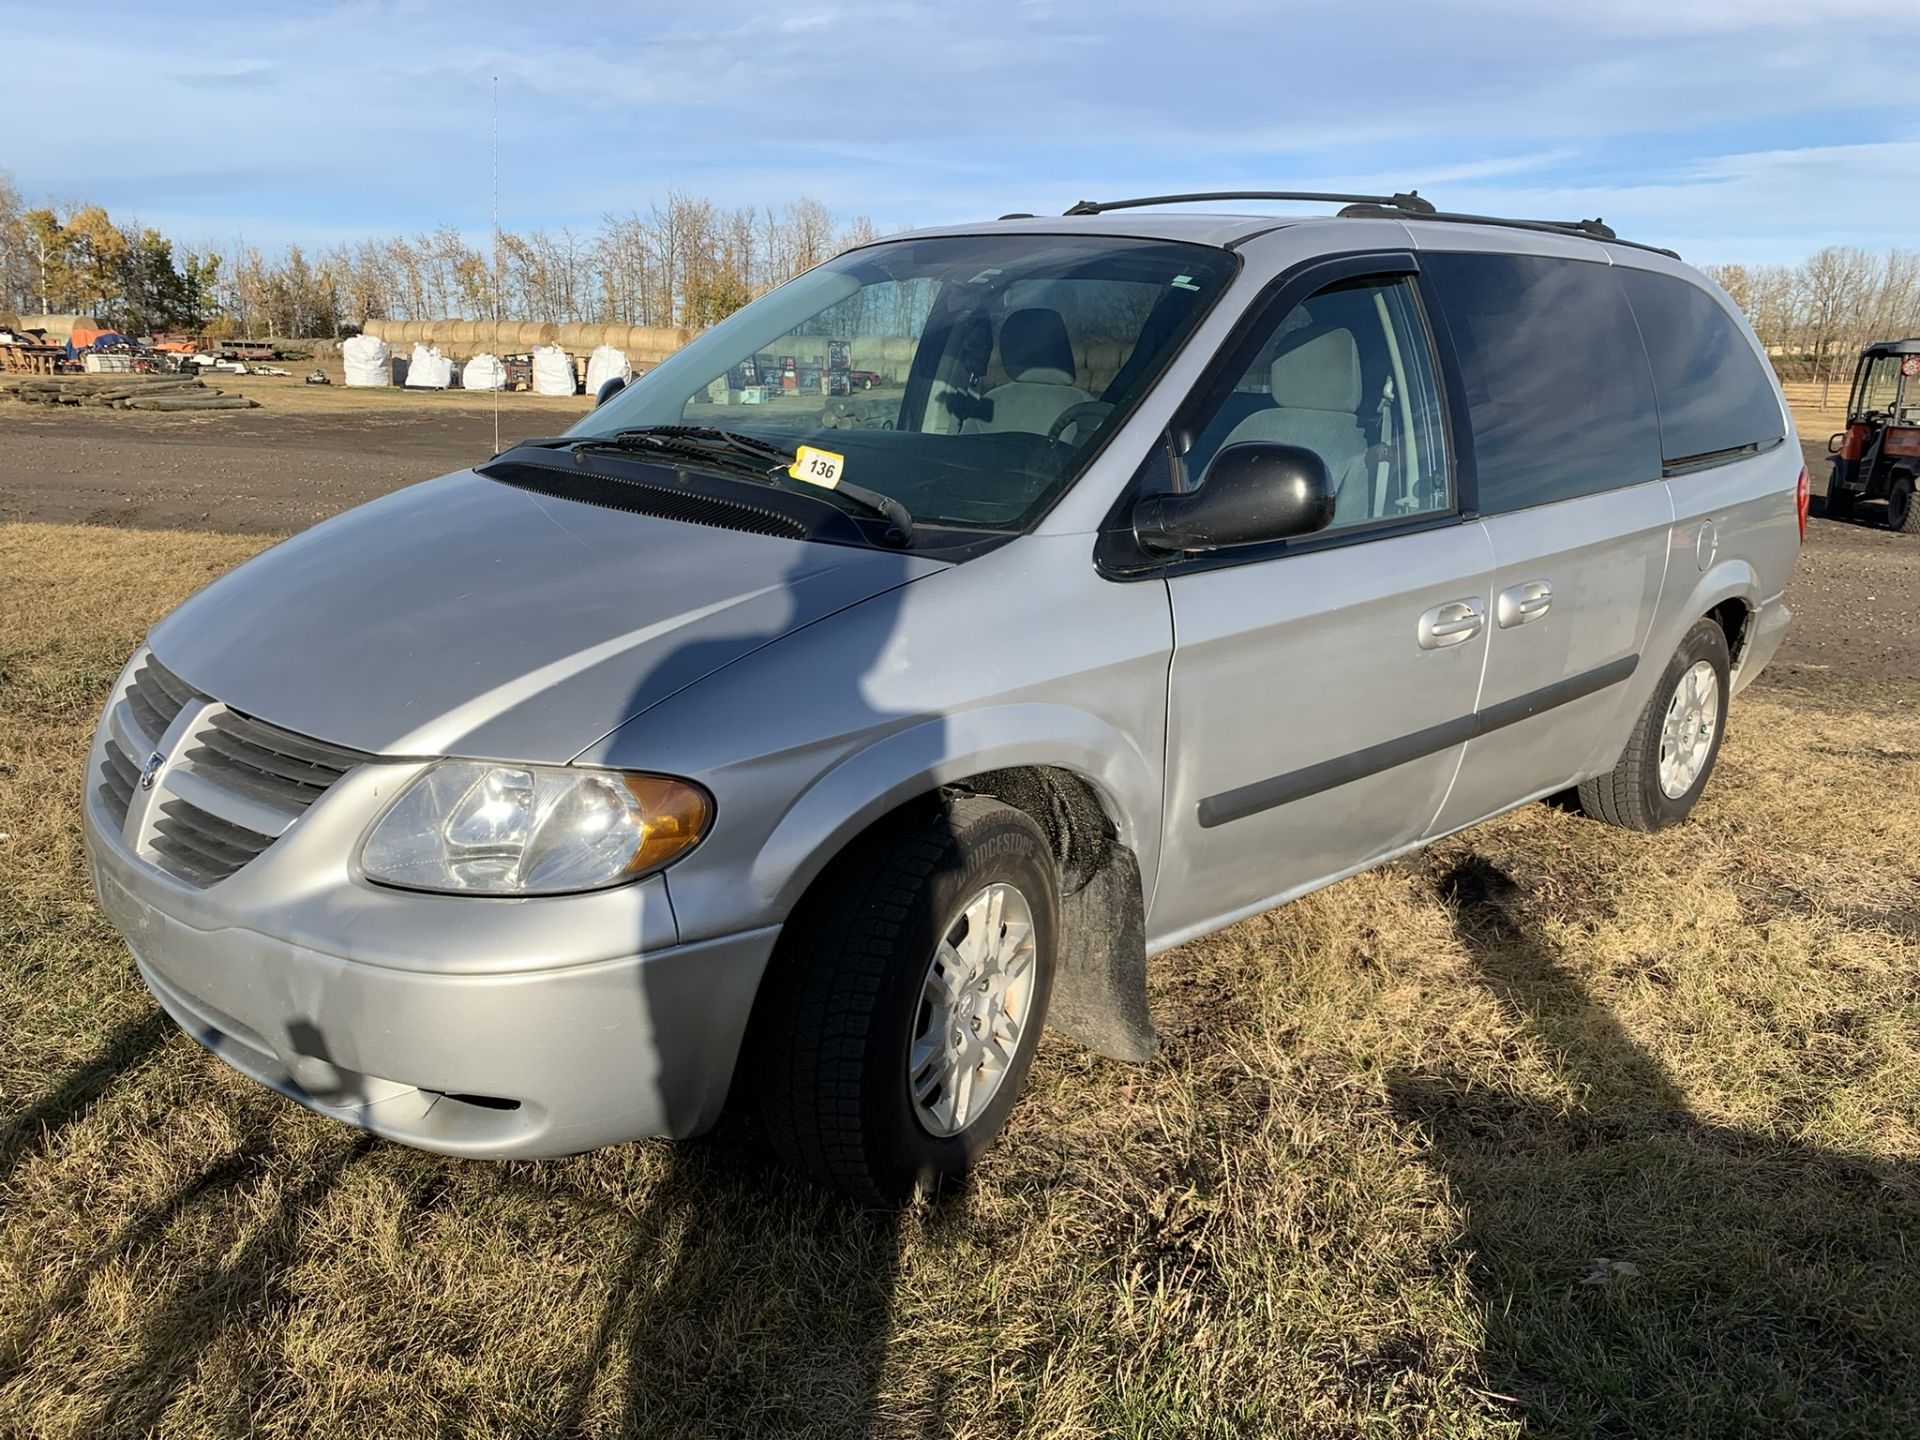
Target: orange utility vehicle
{"x": 1877, "y": 457}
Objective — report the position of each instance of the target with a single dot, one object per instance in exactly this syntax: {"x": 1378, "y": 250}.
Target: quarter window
{"x": 1714, "y": 392}
{"x": 1349, "y": 375}
{"x": 1556, "y": 379}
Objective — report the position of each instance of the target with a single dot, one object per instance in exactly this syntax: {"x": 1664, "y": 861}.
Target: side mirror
{"x": 609, "y": 387}
{"x": 1835, "y": 441}
{"x": 1254, "y": 492}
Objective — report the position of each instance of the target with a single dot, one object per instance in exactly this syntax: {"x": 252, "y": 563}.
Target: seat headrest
{"x": 1034, "y": 348}
{"x": 1322, "y": 374}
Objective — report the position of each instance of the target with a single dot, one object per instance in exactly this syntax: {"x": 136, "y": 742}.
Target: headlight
{"x": 474, "y": 828}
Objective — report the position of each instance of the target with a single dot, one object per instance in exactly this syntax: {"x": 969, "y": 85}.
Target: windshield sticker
{"x": 1183, "y": 282}
{"x": 817, "y": 467}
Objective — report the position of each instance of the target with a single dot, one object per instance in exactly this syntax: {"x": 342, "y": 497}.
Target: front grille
{"x": 267, "y": 763}
{"x": 117, "y": 779}
{"x": 200, "y": 847}
{"x": 233, "y": 786}
{"x": 154, "y": 699}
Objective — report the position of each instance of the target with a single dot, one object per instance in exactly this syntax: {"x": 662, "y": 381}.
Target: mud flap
{"x": 1100, "y": 979}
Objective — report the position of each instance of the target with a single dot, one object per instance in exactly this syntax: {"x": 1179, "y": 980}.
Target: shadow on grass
{"x": 1645, "y": 1272}
{"x": 34, "y": 1129}
{"x": 746, "y": 1302}
{"x": 241, "y": 1288}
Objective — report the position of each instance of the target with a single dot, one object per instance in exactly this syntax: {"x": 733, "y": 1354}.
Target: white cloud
{"x": 1740, "y": 122}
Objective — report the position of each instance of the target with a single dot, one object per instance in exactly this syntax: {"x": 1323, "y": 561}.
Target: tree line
{"x": 682, "y": 262}
{"x": 1815, "y": 317}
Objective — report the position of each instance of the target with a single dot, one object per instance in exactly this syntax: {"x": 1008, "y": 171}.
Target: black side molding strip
{"x": 1238, "y": 804}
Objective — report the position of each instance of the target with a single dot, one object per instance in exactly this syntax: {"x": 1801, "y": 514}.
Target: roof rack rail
{"x": 1409, "y": 202}
{"x": 1594, "y": 229}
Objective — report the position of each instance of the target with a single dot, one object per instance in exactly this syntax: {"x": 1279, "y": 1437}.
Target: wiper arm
{"x": 708, "y": 442}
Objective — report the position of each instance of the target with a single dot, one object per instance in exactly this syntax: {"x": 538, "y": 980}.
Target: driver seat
{"x": 1038, "y": 358}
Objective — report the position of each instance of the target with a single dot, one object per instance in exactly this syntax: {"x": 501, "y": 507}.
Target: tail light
{"x": 1800, "y": 502}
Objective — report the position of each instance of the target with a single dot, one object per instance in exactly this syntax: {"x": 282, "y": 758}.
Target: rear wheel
{"x": 1902, "y": 513}
{"x": 900, "y": 1019}
{"x": 1674, "y": 743}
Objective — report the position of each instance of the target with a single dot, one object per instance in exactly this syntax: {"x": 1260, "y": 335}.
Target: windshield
{"x": 969, "y": 378}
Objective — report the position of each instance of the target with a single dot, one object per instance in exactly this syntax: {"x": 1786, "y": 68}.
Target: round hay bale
{"x": 573, "y": 336}
{"x": 547, "y": 334}
{"x": 464, "y": 332}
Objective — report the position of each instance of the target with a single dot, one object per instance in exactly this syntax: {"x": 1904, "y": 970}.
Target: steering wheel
{"x": 1073, "y": 415}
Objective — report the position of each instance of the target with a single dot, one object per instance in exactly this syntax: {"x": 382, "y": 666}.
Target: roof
{"x": 1227, "y": 230}
{"x": 1191, "y": 226}
{"x": 1909, "y": 346}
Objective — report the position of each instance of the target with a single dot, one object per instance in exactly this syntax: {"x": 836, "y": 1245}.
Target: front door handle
{"x": 1451, "y": 624}
{"x": 1521, "y": 603}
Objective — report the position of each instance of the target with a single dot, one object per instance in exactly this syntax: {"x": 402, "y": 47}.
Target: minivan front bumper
{"x": 494, "y": 1063}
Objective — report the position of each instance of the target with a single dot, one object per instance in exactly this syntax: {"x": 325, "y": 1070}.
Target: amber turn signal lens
{"x": 676, "y": 818}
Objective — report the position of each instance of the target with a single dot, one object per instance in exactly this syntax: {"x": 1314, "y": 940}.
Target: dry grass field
{"x": 1553, "y": 1130}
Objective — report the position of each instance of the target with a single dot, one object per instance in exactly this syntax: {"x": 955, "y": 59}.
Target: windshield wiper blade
{"x": 739, "y": 451}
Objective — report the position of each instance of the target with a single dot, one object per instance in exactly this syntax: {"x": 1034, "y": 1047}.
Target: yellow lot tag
{"x": 817, "y": 467}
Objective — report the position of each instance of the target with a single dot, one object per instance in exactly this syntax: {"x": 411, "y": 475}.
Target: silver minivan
{"x": 813, "y": 743}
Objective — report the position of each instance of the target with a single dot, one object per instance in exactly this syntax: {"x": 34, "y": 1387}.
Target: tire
{"x": 1840, "y": 504}
{"x": 846, "y": 1009}
{"x": 1637, "y": 794}
{"x": 1903, "y": 514}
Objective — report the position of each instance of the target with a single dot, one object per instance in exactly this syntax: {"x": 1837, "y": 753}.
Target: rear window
{"x": 1556, "y": 379}
{"x": 1714, "y": 393}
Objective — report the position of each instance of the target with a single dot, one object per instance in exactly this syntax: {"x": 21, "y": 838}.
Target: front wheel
{"x": 906, "y": 998}
{"x": 1840, "y": 504}
{"x": 1674, "y": 743}
{"x": 1902, "y": 513}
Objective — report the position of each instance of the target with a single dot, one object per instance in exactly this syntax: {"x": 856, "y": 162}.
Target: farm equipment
{"x": 1877, "y": 457}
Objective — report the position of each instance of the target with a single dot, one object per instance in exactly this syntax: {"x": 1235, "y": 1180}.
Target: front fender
{"x": 942, "y": 750}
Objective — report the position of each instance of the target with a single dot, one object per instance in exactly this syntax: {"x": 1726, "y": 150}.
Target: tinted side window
{"x": 1555, "y": 375}
{"x": 1714, "y": 393}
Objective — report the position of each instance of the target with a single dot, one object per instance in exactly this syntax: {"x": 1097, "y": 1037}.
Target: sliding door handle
{"x": 1521, "y": 603}
{"x": 1453, "y": 623}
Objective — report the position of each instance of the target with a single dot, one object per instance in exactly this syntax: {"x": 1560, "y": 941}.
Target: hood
{"x": 468, "y": 617}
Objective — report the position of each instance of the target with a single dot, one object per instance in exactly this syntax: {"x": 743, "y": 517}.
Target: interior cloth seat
{"x": 1316, "y": 404}
{"x": 1038, "y": 358}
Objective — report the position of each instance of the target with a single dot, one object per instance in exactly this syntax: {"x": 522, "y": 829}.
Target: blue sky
{"x": 1731, "y": 129}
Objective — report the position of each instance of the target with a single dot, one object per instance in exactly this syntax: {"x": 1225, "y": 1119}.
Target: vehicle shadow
{"x": 748, "y": 1300}
{"x": 127, "y": 1047}
{"x": 745, "y": 1302}
{"x": 1642, "y": 1270}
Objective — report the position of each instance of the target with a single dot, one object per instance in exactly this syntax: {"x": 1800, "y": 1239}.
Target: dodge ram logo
{"x": 151, "y": 772}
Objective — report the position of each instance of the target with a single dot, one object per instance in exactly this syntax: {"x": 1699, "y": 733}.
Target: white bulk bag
{"x": 552, "y": 372}
{"x": 429, "y": 369}
{"x": 484, "y": 372}
{"x": 365, "y": 358}
{"x": 607, "y": 363}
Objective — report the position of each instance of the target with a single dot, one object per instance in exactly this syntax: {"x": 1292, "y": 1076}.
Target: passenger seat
{"x": 1038, "y": 358}
{"x": 1316, "y": 404}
